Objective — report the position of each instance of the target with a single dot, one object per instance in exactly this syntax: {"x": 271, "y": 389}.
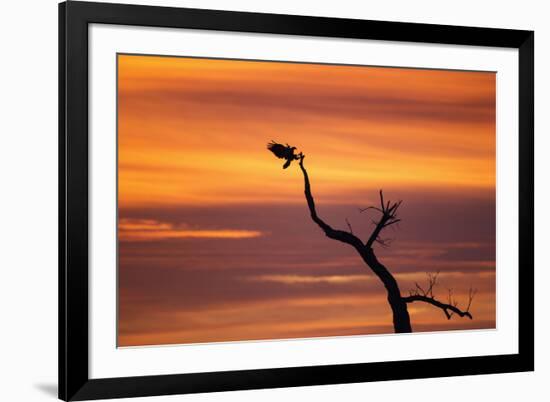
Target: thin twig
{"x": 349, "y": 226}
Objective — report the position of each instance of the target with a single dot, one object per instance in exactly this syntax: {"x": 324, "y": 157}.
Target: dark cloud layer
{"x": 162, "y": 279}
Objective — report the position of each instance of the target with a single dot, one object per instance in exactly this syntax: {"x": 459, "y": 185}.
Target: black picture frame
{"x": 74, "y": 381}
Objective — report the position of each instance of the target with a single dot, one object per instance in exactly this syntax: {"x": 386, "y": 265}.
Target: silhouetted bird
{"x": 283, "y": 152}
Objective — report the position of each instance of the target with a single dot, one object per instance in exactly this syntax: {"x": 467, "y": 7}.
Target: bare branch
{"x": 471, "y": 294}
{"x": 443, "y": 306}
{"x": 349, "y": 226}
{"x": 420, "y": 289}
{"x": 392, "y": 222}
{"x": 389, "y": 217}
{"x": 452, "y": 302}
{"x": 340, "y": 235}
{"x": 367, "y": 208}
{"x": 384, "y": 242}
{"x": 427, "y": 296}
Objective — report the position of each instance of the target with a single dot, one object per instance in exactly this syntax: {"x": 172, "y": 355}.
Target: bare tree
{"x": 388, "y": 216}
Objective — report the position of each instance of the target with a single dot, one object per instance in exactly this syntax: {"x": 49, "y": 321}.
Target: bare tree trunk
{"x": 398, "y": 304}
{"x": 401, "y": 319}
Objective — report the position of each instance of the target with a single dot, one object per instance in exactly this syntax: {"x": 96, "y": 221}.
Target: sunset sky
{"x": 215, "y": 238}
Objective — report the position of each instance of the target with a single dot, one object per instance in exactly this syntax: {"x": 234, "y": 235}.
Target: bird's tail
{"x": 287, "y": 164}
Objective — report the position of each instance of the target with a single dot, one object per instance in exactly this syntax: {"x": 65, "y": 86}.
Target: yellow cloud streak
{"x": 310, "y": 279}
{"x": 151, "y": 230}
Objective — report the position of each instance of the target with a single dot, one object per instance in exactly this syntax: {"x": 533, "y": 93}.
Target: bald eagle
{"x": 283, "y": 152}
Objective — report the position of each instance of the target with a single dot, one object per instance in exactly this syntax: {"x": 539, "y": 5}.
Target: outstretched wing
{"x": 279, "y": 150}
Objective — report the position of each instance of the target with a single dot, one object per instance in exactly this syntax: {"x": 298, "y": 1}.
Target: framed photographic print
{"x": 257, "y": 200}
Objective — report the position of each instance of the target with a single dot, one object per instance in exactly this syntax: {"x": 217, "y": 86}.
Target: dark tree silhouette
{"x": 388, "y": 217}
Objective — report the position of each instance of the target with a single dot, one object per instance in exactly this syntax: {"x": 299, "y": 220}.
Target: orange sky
{"x": 215, "y": 240}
